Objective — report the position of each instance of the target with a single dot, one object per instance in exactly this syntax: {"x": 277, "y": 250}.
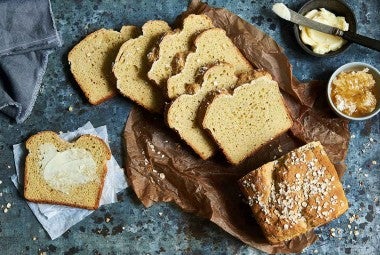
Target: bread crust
{"x": 294, "y": 194}
{"x": 64, "y": 145}
{"x": 204, "y": 110}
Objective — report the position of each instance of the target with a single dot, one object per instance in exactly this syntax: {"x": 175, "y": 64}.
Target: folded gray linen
{"x": 27, "y": 36}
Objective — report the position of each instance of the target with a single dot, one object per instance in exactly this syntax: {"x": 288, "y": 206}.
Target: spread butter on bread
{"x": 245, "y": 120}
{"x": 59, "y": 172}
{"x": 182, "y": 112}
{"x": 211, "y": 46}
{"x": 295, "y": 193}
{"x": 173, "y": 43}
{"x": 131, "y": 68}
{"x": 91, "y": 62}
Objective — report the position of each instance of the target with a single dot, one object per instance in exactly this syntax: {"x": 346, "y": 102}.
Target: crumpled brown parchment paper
{"x": 160, "y": 167}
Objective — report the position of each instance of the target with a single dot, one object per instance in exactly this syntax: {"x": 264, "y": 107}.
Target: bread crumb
{"x": 356, "y": 232}
{"x": 5, "y": 210}
{"x": 9, "y": 205}
{"x": 71, "y": 108}
{"x": 315, "y": 251}
{"x": 107, "y": 220}
{"x": 371, "y": 139}
{"x": 374, "y": 162}
{"x": 160, "y": 213}
{"x": 162, "y": 175}
{"x": 353, "y": 136}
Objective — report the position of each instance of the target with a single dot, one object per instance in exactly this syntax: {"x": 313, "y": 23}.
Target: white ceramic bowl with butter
{"x": 356, "y": 66}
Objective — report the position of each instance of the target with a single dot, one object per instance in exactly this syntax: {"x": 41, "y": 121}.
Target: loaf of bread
{"x": 91, "y": 62}
{"x": 211, "y": 46}
{"x": 182, "y": 112}
{"x": 294, "y": 194}
{"x": 59, "y": 172}
{"x": 242, "y": 122}
{"x": 131, "y": 68}
{"x": 174, "y": 43}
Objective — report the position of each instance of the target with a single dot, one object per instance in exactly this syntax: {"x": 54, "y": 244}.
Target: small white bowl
{"x": 356, "y": 66}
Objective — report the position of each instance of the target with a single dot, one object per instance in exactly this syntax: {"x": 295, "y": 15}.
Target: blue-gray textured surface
{"x": 163, "y": 228}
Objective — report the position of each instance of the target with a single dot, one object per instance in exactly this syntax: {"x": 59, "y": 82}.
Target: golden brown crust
{"x": 294, "y": 194}
{"x": 35, "y": 187}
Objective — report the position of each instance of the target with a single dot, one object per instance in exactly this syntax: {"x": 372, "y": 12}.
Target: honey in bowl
{"x": 353, "y": 93}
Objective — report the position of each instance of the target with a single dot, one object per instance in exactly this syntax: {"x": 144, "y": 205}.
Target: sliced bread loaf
{"x": 131, "y": 68}
{"x": 174, "y": 43}
{"x": 211, "y": 46}
{"x": 91, "y": 62}
{"x": 182, "y": 112}
{"x": 243, "y": 121}
{"x": 58, "y": 172}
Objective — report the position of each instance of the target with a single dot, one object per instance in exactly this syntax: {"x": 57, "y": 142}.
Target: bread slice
{"x": 294, "y": 194}
{"x": 58, "y": 172}
{"x": 174, "y": 43}
{"x": 243, "y": 121}
{"x": 211, "y": 46}
{"x": 131, "y": 68}
{"x": 182, "y": 112}
{"x": 91, "y": 62}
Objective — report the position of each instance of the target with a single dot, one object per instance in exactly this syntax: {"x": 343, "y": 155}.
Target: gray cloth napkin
{"x": 27, "y": 37}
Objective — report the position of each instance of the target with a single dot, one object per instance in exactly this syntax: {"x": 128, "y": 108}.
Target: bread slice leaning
{"x": 91, "y": 62}
{"x": 247, "y": 119}
{"x": 182, "y": 112}
{"x": 59, "y": 172}
{"x": 131, "y": 68}
{"x": 173, "y": 43}
{"x": 211, "y": 46}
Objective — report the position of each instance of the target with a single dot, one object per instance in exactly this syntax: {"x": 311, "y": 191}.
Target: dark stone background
{"x": 127, "y": 227}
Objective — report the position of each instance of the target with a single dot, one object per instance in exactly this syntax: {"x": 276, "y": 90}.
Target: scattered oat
{"x": 353, "y": 136}
{"x": 371, "y": 139}
{"x": 366, "y": 175}
{"x": 9, "y": 167}
{"x": 71, "y": 108}
{"x": 34, "y": 238}
{"x": 162, "y": 175}
{"x": 1, "y": 194}
{"x": 107, "y": 219}
{"x": 349, "y": 226}
{"x": 315, "y": 251}
{"x": 9, "y": 205}
{"x": 5, "y": 210}
{"x": 1, "y": 181}
{"x": 374, "y": 162}
{"x": 43, "y": 253}
{"x": 356, "y": 232}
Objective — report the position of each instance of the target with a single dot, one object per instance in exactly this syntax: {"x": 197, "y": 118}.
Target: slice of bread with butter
{"x": 59, "y": 172}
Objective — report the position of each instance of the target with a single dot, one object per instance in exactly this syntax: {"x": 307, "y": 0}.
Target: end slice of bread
{"x": 174, "y": 43}
{"x": 131, "y": 68}
{"x": 182, "y": 112}
{"x": 211, "y": 46}
{"x": 58, "y": 172}
{"x": 244, "y": 121}
{"x": 91, "y": 62}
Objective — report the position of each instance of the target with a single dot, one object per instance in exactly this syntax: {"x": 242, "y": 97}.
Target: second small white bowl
{"x": 356, "y": 66}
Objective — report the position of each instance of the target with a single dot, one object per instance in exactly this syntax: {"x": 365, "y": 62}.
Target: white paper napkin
{"x": 57, "y": 219}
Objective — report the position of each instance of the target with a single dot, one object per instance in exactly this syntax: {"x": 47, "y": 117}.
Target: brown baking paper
{"x": 160, "y": 167}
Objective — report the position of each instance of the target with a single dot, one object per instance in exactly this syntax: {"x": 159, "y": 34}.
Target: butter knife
{"x": 284, "y": 12}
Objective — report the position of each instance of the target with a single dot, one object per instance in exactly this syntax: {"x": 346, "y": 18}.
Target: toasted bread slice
{"x": 211, "y": 46}
{"x": 131, "y": 68}
{"x": 174, "y": 43}
{"x": 182, "y": 112}
{"x": 58, "y": 172}
{"x": 91, "y": 62}
{"x": 247, "y": 119}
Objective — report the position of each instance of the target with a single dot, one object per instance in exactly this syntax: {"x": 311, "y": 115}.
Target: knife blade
{"x": 284, "y": 12}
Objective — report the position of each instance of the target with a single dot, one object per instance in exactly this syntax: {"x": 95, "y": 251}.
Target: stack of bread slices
{"x": 195, "y": 76}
